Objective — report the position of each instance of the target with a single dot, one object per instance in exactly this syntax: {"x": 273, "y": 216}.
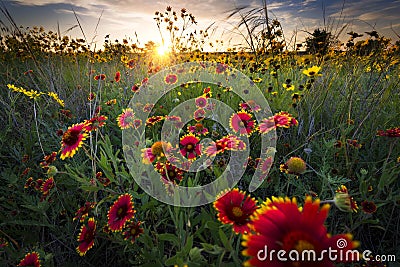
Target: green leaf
{"x": 225, "y": 240}
{"x": 188, "y": 246}
{"x": 169, "y": 237}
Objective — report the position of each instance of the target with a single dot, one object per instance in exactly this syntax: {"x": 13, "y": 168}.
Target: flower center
{"x": 133, "y": 231}
{"x": 237, "y": 212}
{"x": 303, "y": 245}
{"x": 311, "y": 73}
{"x": 70, "y": 137}
{"x": 199, "y": 126}
{"x": 189, "y": 147}
{"x": 171, "y": 174}
{"x": 120, "y": 211}
{"x": 157, "y": 149}
{"x": 299, "y": 241}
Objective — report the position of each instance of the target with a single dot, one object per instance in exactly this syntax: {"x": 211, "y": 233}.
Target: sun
{"x": 162, "y": 50}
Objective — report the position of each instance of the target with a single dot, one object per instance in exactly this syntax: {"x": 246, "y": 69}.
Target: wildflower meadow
{"x": 265, "y": 155}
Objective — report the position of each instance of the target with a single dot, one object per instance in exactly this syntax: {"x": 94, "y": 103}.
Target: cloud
{"x": 124, "y": 17}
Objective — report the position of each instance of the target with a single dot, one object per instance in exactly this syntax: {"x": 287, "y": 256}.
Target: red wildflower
{"x": 344, "y": 201}
{"x": 235, "y": 207}
{"x": 30, "y": 259}
{"x": 120, "y": 212}
{"x": 392, "y": 132}
{"x": 281, "y": 119}
{"x": 100, "y": 77}
{"x": 135, "y": 88}
{"x": 83, "y": 211}
{"x": 198, "y": 129}
{"x": 72, "y": 140}
{"x": 126, "y": 119}
{"x": 94, "y": 123}
{"x": 190, "y": 146}
{"x": 199, "y": 114}
{"x": 221, "y": 68}
{"x": 153, "y": 120}
{"x": 132, "y": 231}
{"x": 169, "y": 173}
{"x": 86, "y": 237}
{"x": 171, "y": 79}
{"x": 368, "y": 206}
{"x": 48, "y": 159}
{"x": 201, "y": 102}
{"x": 117, "y": 76}
{"x": 47, "y": 185}
{"x": 242, "y": 123}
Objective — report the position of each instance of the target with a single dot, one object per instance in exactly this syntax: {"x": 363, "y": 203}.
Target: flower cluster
{"x": 33, "y": 94}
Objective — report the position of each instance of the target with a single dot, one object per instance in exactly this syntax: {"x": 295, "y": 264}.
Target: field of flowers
{"x": 77, "y": 153}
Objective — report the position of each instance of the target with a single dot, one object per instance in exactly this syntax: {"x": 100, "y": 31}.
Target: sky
{"x": 123, "y": 18}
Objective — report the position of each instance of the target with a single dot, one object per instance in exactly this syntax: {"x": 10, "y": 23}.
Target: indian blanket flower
{"x": 103, "y": 180}
{"x": 86, "y": 237}
{"x": 368, "y": 206}
{"x": 83, "y": 211}
{"x": 153, "y": 120}
{"x": 242, "y": 123}
{"x": 47, "y": 186}
{"x": 221, "y": 68}
{"x": 198, "y": 129}
{"x": 201, "y": 102}
{"x": 199, "y": 114}
{"x": 117, "y": 76}
{"x": 132, "y": 231}
{"x": 126, "y": 119}
{"x": 135, "y": 88}
{"x": 48, "y": 159}
{"x": 94, "y": 123}
{"x": 30, "y": 259}
{"x": 169, "y": 173}
{"x": 120, "y": 212}
{"x": 312, "y": 72}
{"x": 281, "y": 225}
{"x": 250, "y": 105}
{"x": 226, "y": 143}
{"x": 3, "y": 242}
{"x": 235, "y": 207}
{"x": 344, "y": 201}
{"x": 101, "y": 77}
{"x": 171, "y": 79}
{"x": 282, "y": 119}
{"x": 147, "y": 156}
{"x": 265, "y": 164}
{"x": 148, "y": 107}
{"x": 392, "y": 132}
{"x": 207, "y": 93}
{"x": 294, "y": 165}
{"x": 190, "y": 146}
{"x": 72, "y": 140}
{"x": 354, "y": 143}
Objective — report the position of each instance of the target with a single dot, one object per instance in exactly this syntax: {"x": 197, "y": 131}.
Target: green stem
{"x": 37, "y": 127}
